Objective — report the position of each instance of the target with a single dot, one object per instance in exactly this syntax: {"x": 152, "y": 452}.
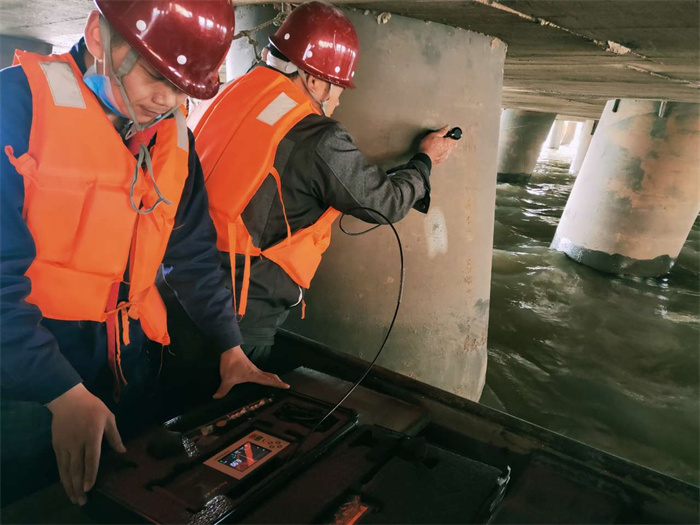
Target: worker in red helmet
{"x": 101, "y": 187}
{"x": 279, "y": 170}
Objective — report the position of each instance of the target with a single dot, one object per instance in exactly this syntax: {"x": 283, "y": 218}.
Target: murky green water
{"x": 610, "y": 361}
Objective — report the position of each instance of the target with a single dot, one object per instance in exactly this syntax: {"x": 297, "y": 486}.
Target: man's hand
{"x": 80, "y": 420}
{"x": 437, "y": 147}
{"x": 236, "y": 368}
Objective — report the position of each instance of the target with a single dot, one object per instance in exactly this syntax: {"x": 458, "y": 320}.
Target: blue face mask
{"x": 101, "y": 86}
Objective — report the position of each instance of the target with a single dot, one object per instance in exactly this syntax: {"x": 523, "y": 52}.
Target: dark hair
{"x": 277, "y": 53}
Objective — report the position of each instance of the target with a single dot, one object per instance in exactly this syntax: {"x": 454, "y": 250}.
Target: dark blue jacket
{"x": 42, "y": 358}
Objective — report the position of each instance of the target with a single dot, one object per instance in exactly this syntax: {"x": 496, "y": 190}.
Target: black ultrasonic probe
{"x": 454, "y": 133}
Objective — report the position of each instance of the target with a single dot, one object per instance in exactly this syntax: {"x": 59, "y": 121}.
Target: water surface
{"x": 608, "y": 360}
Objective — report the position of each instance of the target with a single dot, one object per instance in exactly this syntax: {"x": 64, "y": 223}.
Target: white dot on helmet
{"x": 337, "y": 69}
{"x": 141, "y": 25}
{"x": 286, "y": 37}
{"x": 182, "y": 60}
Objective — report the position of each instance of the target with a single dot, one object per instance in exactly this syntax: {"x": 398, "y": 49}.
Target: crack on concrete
{"x": 539, "y": 91}
{"x": 606, "y": 45}
{"x": 695, "y": 85}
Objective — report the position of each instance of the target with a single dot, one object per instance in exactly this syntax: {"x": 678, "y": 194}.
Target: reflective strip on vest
{"x": 64, "y": 87}
{"x": 277, "y": 109}
{"x": 183, "y": 141}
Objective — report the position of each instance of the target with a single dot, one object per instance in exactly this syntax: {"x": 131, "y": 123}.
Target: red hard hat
{"x": 321, "y": 40}
{"x": 185, "y": 40}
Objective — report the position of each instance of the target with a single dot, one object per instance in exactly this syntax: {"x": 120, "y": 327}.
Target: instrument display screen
{"x": 244, "y": 457}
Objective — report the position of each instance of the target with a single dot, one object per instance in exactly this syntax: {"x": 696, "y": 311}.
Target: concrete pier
{"x": 440, "y": 335}
{"x": 8, "y": 45}
{"x": 520, "y": 141}
{"x": 556, "y": 134}
{"x": 584, "y": 142}
{"x": 243, "y": 51}
{"x": 638, "y": 192}
{"x": 569, "y": 133}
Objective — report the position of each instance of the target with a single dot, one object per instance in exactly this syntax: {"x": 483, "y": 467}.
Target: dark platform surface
{"x": 554, "y": 479}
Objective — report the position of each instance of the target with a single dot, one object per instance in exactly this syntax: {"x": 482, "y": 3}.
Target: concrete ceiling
{"x": 564, "y": 56}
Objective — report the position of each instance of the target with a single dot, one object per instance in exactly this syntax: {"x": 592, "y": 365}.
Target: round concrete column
{"x": 242, "y": 54}
{"x": 9, "y": 44}
{"x": 519, "y": 143}
{"x": 440, "y": 335}
{"x": 556, "y": 134}
{"x": 638, "y": 192}
{"x": 584, "y": 142}
{"x": 569, "y": 133}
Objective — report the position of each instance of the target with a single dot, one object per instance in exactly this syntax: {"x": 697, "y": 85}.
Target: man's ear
{"x": 93, "y": 37}
{"x": 318, "y": 87}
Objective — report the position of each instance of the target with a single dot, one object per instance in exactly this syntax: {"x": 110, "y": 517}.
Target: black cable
{"x": 391, "y": 325}
{"x": 356, "y": 234}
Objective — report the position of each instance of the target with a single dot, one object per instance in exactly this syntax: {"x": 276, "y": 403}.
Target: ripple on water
{"x": 610, "y": 361}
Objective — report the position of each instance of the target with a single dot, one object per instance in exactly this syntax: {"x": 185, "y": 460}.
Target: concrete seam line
{"x": 690, "y": 83}
{"x": 608, "y": 46}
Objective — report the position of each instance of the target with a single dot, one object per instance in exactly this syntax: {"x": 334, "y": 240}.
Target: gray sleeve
{"x": 348, "y": 180}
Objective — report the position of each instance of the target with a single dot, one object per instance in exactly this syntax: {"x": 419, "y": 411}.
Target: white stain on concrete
{"x": 436, "y": 232}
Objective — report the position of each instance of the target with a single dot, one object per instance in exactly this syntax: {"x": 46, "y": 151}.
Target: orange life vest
{"x": 237, "y": 134}
{"x": 77, "y": 176}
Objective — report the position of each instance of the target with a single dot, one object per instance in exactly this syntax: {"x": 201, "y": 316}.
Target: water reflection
{"x": 610, "y": 361}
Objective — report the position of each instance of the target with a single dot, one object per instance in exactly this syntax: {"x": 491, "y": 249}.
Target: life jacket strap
{"x": 276, "y": 176}
{"x": 114, "y": 337}
{"x": 245, "y": 287}
{"x": 232, "y": 259}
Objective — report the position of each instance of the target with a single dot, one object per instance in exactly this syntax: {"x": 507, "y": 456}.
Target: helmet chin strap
{"x": 124, "y": 69}
{"x": 144, "y": 155}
